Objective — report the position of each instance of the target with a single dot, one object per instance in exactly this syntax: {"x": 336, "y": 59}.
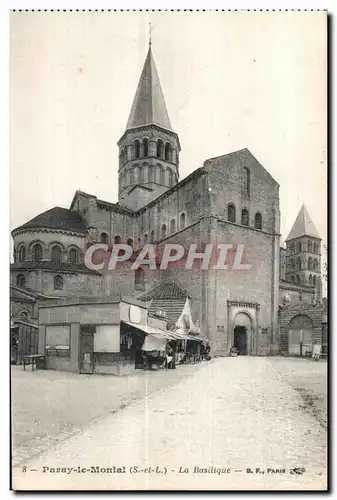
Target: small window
{"x": 37, "y": 252}
{"x": 163, "y": 231}
{"x": 293, "y": 278}
{"x": 298, "y": 264}
{"x": 56, "y": 254}
{"x": 169, "y": 177}
{"x": 315, "y": 265}
{"x": 140, "y": 172}
{"x": 152, "y": 236}
{"x": 145, "y": 238}
{"x": 145, "y": 147}
{"x": 182, "y": 220}
{"x": 173, "y": 226}
{"x": 245, "y": 217}
{"x": 130, "y": 242}
{"x": 298, "y": 279}
{"x": 309, "y": 246}
{"x": 246, "y": 181}
{"x": 299, "y": 247}
{"x": 314, "y": 280}
{"x": 73, "y": 256}
{"x": 136, "y": 149}
{"x": 310, "y": 263}
{"x": 152, "y": 174}
{"x": 160, "y": 146}
{"x": 22, "y": 253}
{"x": 168, "y": 152}
{"x": 24, "y": 315}
{"x": 20, "y": 280}
{"x": 139, "y": 279}
{"x": 258, "y": 221}
{"x": 316, "y": 248}
{"x": 129, "y": 176}
{"x": 310, "y": 279}
{"x": 104, "y": 238}
{"x": 231, "y": 215}
{"x": 292, "y": 250}
{"x": 58, "y": 283}
{"x": 161, "y": 175}
{"x": 118, "y": 240}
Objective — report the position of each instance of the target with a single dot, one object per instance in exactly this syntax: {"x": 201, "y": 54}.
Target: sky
{"x": 231, "y": 80}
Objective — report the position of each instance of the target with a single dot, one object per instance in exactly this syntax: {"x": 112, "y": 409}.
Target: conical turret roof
{"x": 148, "y": 107}
{"x": 303, "y": 226}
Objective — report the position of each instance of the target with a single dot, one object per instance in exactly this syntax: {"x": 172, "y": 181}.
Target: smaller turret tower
{"x": 303, "y": 253}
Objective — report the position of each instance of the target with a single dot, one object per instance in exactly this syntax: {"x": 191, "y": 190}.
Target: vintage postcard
{"x": 168, "y": 281}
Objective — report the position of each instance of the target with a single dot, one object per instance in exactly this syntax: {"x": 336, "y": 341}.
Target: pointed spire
{"x": 149, "y": 106}
{"x": 303, "y": 226}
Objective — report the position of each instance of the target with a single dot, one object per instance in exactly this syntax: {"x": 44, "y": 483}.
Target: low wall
{"x": 118, "y": 363}
{"x": 118, "y": 368}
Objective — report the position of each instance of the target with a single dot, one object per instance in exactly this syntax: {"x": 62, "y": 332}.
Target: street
{"x": 232, "y": 423}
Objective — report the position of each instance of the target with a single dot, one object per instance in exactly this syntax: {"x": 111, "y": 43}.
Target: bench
{"x": 39, "y": 360}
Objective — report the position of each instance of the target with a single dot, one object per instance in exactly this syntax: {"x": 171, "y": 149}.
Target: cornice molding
{"x": 18, "y": 231}
{"x": 241, "y": 303}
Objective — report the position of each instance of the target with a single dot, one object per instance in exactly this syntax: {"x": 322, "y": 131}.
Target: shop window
{"x": 58, "y": 341}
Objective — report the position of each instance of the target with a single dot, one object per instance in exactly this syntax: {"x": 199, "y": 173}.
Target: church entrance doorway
{"x": 301, "y": 330}
{"x": 240, "y": 339}
{"x": 242, "y": 335}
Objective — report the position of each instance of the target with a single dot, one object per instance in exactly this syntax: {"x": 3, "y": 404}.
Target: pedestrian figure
{"x": 234, "y": 351}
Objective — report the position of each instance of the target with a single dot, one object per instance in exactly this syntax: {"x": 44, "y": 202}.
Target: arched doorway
{"x": 242, "y": 333}
{"x": 300, "y": 336}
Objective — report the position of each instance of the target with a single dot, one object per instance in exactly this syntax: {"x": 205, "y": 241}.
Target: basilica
{"x": 274, "y": 307}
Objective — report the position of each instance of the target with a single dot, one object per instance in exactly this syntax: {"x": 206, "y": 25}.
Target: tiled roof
{"x": 52, "y": 266}
{"x": 168, "y": 297}
{"x": 166, "y": 290}
{"x": 172, "y": 307}
{"x": 26, "y": 294}
{"x": 57, "y": 218}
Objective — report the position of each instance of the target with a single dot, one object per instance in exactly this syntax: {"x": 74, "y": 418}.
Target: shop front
{"x": 94, "y": 336}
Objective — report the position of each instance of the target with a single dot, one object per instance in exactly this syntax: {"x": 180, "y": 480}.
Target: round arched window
{"x": 73, "y": 256}
{"x": 37, "y": 252}
{"x": 58, "y": 283}
{"x": 56, "y": 254}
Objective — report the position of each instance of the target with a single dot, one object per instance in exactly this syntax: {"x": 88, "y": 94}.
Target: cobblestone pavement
{"x": 234, "y": 414}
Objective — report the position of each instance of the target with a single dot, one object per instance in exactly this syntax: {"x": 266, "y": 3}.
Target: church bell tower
{"x": 303, "y": 254}
{"x": 149, "y": 148}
